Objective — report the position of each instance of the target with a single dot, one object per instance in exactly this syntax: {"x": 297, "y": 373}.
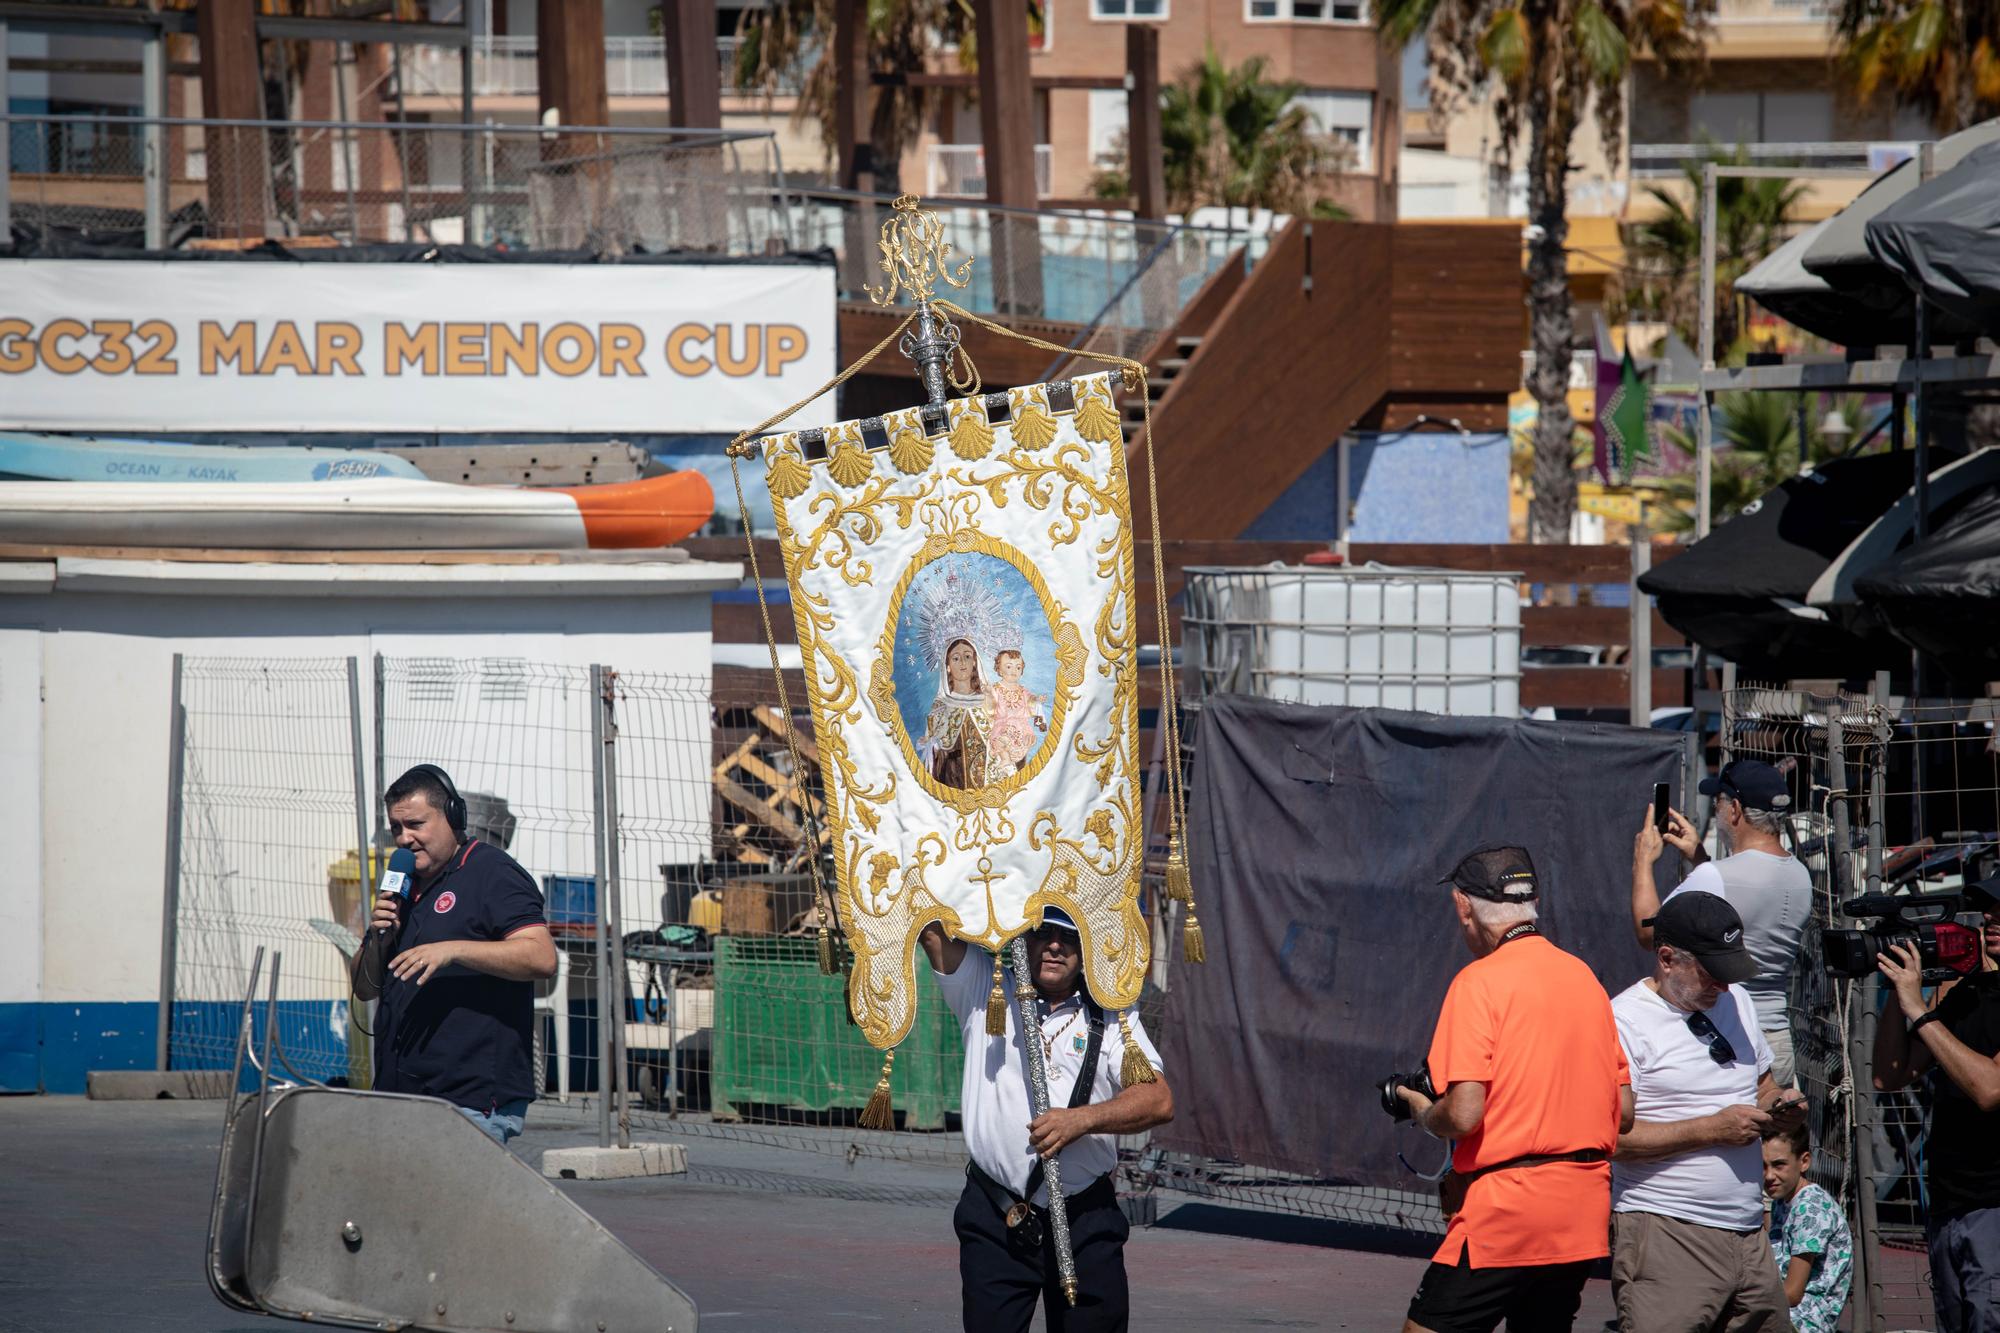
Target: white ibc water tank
{"x": 1427, "y": 640}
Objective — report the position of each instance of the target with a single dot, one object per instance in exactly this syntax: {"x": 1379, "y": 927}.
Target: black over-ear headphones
{"x": 454, "y": 804}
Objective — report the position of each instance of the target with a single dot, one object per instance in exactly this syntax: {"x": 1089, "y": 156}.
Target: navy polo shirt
{"x": 463, "y": 1035}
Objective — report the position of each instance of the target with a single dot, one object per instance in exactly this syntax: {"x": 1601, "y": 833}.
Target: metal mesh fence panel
{"x": 517, "y": 738}
{"x": 1898, "y": 798}
{"x": 267, "y": 859}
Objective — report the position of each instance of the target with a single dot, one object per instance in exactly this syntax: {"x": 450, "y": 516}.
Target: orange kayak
{"x": 653, "y": 511}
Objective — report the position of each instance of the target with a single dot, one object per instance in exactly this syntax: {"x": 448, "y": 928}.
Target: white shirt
{"x": 1674, "y": 1078}
{"x": 1773, "y": 895}
{"x": 993, "y": 1098}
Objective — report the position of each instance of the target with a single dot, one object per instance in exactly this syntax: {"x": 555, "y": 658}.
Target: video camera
{"x": 1398, "y": 1109}
{"x": 1926, "y": 920}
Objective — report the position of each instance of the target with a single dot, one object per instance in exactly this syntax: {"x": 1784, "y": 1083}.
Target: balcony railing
{"x": 958, "y": 171}
{"x": 1652, "y": 161}
{"x": 505, "y": 67}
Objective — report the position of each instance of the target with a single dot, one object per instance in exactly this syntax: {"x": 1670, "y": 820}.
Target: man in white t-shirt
{"x": 1687, "y": 1204}
{"x": 1006, "y": 1257}
{"x": 1768, "y": 886}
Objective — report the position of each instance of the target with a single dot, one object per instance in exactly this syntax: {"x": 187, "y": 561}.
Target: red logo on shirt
{"x": 446, "y": 901}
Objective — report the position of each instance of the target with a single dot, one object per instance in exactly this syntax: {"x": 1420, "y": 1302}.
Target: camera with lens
{"x": 1925, "y": 920}
{"x": 1420, "y": 1081}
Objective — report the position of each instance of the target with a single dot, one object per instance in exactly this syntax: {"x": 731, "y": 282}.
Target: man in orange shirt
{"x": 1533, "y": 1087}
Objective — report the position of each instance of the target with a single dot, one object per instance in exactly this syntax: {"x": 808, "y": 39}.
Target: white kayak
{"x": 375, "y": 514}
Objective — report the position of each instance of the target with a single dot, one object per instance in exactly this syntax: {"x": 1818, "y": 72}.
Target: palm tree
{"x": 779, "y": 40}
{"x": 1664, "y": 280}
{"x": 1234, "y": 138}
{"x": 1940, "y": 55}
{"x": 1547, "y": 63}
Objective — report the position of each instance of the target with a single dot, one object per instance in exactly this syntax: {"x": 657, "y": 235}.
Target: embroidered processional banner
{"x": 962, "y": 582}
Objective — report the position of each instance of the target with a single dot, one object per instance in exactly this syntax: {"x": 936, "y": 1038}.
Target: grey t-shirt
{"x": 1773, "y": 895}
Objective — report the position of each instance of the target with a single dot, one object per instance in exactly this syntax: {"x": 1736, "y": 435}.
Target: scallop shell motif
{"x": 1033, "y": 426}
{"x": 787, "y": 474}
{"x": 849, "y": 463}
{"x": 971, "y": 435}
{"x": 1097, "y": 420}
{"x": 910, "y": 450}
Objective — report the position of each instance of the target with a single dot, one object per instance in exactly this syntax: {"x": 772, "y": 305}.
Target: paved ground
{"x": 104, "y": 1215}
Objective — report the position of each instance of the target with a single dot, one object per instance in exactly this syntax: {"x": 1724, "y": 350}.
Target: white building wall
{"x": 85, "y": 685}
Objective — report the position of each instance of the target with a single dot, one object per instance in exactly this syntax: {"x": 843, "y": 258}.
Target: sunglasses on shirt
{"x": 1703, "y": 1027}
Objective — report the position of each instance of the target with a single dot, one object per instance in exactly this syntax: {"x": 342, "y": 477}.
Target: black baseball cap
{"x": 1498, "y": 874}
{"x": 1753, "y": 782}
{"x": 1982, "y": 895}
{"x": 1708, "y": 927}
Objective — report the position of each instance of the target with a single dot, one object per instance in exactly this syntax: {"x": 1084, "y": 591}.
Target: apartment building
{"x": 1770, "y": 83}
{"x": 1328, "y": 47}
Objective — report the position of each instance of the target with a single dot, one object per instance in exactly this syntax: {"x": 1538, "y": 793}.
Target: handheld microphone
{"x": 396, "y": 877}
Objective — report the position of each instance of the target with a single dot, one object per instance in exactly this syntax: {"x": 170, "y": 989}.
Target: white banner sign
{"x": 145, "y": 346}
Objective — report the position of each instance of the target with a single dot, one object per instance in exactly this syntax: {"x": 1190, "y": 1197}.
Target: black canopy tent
{"x": 1742, "y": 591}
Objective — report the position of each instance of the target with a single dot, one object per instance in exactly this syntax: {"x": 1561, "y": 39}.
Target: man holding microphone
{"x": 1531, "y": 1085}
{"x": 455, "y": 964}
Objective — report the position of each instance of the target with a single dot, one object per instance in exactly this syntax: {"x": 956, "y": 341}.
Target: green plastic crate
{"x": 783, "y": 1041}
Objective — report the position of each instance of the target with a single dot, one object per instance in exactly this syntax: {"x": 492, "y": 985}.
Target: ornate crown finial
{"x": 915, "y": 254}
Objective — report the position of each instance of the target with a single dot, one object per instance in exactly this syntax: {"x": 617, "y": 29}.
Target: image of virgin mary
{"x": 957, "y": 734}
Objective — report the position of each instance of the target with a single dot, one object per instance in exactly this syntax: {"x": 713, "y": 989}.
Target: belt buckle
{"x": 1018, "y": 1214}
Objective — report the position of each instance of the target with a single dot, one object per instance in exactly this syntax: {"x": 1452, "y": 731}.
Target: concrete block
{"x": 147, "y": 1085}
{"x": 641, "y": 1159}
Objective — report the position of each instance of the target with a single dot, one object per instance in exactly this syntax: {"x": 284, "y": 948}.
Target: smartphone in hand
{"x": 1660, "y": 807}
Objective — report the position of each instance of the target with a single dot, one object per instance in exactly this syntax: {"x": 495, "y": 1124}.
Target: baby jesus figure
{"x": 1016, "y": 714}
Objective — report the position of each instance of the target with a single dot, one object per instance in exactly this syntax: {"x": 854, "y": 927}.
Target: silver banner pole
{"x": 1038, "y": 1100}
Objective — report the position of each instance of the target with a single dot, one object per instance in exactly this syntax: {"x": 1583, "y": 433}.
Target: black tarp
{"x": 1318, "y": 835}
{"x": 1940, "y": 595}
{"x": 1740, "y": 592}
{"x": 1944, "y": 238}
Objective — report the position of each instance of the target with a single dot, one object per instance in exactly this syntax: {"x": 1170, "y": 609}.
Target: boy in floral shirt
{"x": 1809, "y": 1236}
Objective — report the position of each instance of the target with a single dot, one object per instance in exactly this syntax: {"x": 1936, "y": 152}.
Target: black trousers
{"x": 1001, "y": 1278}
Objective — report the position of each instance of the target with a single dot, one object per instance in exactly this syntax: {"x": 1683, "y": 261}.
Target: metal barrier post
{"x": 176, "y": 761}
{"x": 1866, "y": 1298}
{"x": 1639, "y": 660}
{"x": 153, "y": 95}
{"x": 607, "y": 903}
{"x": 602, "y": 954}
{"x": 362, "y": 823}
{"x": 6, "y": 157}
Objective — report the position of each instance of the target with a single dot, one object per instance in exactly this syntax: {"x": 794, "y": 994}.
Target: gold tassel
{"x": 1179, "y": 887}
{"x": 1192, "y": 948}
{"x": 996, "y": 1005}
{"x": 827, "y": 964}
{"x": 1135, "y": 1068}
{"x": 877, "y": 1115}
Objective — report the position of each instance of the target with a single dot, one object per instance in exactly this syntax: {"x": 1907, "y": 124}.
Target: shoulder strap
{"x": 1079, "y": 1094}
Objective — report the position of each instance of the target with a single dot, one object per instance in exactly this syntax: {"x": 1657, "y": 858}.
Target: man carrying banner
{"x": 1005, "y": 1258}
